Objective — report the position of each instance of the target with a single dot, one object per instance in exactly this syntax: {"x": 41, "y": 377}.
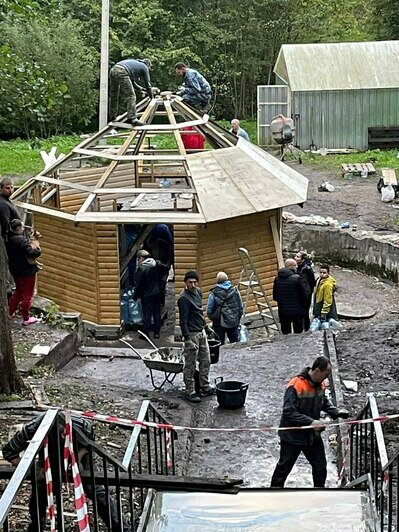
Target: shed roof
{"x": 122, "y": 182}
{"x": 339, "y": 66}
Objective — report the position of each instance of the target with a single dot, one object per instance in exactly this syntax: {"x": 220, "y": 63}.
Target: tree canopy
{"x": 49, "y": 49}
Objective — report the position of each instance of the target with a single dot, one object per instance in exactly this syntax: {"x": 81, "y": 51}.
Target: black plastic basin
{"x": 231, "y": 394}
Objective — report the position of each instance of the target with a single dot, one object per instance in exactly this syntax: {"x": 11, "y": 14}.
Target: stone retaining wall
{"x": 344, "y": 248}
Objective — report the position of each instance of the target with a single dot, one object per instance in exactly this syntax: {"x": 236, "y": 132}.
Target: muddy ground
{"x": 367, "y": 350}
{"x": 356, "y": 201}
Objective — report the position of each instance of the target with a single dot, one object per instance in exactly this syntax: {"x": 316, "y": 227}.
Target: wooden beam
{"x": 118, "y": 157}
{"x": 131, "y": 217}
{"x": 276, "y": 240}
{"x": 135, "y": 247}
{"x": 62, "y": 183}
{"x": 45, "y": 210}
{"x": 165, "y": 127}
{"x": 143, "y": 190}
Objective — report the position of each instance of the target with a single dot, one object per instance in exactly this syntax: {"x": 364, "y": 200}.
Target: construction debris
{"x": 362, "y": 169}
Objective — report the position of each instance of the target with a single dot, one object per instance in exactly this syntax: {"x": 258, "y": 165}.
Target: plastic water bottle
{"x": 125, "y": 311}
{"x": 315, "y": 325}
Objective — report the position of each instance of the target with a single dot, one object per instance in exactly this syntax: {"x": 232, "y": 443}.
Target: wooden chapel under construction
{"x": 227, "y": 195}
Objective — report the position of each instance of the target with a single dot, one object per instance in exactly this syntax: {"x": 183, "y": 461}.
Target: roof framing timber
{"x": 128, "y": 168}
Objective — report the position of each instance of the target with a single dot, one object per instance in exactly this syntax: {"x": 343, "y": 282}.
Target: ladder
{"x": 250, "y": 280}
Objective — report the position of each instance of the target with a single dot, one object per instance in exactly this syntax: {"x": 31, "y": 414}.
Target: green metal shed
{"x": 338, "y": 90}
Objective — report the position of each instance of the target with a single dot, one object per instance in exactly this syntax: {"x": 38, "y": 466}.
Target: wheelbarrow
{"x": 168, "y": 360}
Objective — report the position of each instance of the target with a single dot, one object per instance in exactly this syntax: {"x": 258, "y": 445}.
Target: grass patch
{"x": 22, "y": 157}
{"x": 379, "y": 159}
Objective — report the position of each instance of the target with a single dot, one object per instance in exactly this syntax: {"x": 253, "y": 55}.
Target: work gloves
{"x": 343, "y": 413}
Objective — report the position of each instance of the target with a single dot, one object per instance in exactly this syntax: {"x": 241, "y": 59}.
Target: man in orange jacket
{"x": 304, "y": 399}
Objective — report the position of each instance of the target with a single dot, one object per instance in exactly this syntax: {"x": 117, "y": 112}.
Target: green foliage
{"x": 49, "y": 68}
{"x": 46, "y": 77}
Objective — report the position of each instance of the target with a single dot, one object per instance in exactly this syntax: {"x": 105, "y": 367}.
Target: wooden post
{"x": 103, "y": 118}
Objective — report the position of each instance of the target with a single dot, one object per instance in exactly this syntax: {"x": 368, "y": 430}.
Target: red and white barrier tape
{"x": 346, "y": 445}
{"x": 169, "y": 462}
{"x": 169, "y": 426}
{"x": 49, "y": 486}
{"x": 80, "y": 497}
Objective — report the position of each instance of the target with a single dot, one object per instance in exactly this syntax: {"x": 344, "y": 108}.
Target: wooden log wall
{"x": 185, "y": 246}
{"x": 80, "y": 268}
{"x": 71, "y": 200}
{"x": 214, "y": 247}
{"x": 218, "y": 244}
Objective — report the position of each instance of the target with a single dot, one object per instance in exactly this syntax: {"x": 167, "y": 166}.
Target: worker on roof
{"x": 124, "y": 78}
{"x": 195, "y": 90}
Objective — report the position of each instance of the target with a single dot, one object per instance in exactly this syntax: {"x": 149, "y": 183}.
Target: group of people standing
{"x": 22, "y": 253}
{"x": 295, "y": 289}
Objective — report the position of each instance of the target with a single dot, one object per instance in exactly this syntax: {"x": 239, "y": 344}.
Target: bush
{"x": 47, "y": 77}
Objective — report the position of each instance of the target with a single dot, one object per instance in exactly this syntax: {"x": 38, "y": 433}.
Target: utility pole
{"x": 103, "y": 110}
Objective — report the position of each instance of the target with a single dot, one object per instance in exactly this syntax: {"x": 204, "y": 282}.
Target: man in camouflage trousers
{"x": 194, "y": 329}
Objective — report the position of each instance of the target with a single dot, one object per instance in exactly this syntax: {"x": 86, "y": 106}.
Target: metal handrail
{"x": 24, "y": 466}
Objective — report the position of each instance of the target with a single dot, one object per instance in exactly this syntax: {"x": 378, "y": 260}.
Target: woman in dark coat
{"x": 308, "y": 281}
{"x": 22, "y": 264}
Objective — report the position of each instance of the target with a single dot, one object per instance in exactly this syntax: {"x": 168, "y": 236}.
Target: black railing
{"x": 106, "y": 481}
{"x": 368, "y": 454}
{"x": 390, "y": 495}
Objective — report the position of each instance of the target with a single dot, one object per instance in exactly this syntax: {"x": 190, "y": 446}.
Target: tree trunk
{"x": 10, "y": 379}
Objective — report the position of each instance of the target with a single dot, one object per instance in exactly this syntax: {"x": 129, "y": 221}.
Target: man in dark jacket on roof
{"x": 225, "y": 309}
{"x": 124, "y": 79}
{"x": 290, "y": 296}
{"x": 304, "y": 399}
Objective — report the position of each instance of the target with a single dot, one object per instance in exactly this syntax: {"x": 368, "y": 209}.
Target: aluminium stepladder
{"x": 250, "y": 280}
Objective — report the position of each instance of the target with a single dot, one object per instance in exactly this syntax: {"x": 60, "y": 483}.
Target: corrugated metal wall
{"x": 340, "y": 119}
{"x": 272, "y": 101}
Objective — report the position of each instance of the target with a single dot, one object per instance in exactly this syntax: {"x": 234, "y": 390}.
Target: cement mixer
{"x": 282, "y": 129}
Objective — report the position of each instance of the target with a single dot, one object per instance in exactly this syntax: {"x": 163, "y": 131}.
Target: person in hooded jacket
{"x": 304, "y": 400}
{"x": 148, "y": 288}
{"x": 324, "y": 306}
{"x": 19, "y": 251}
{"x": 290, "y": 295}
{"x": 307, "y": 278}
{"x": 225, "y": 309}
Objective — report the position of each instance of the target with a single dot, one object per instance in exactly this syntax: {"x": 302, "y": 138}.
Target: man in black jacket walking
{"x": 290, "y": 296}
{"x": 304, "y": 399}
